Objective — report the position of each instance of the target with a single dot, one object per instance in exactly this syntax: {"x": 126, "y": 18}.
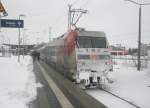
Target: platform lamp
{"x": 21, "y": 15}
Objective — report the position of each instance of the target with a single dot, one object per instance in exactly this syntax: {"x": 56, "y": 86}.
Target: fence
{"x": 132, "y": 61}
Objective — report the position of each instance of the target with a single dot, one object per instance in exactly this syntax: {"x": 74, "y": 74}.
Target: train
{"x": 80, "y": 55}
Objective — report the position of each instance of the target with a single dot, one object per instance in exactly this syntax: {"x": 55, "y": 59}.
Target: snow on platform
{"x": 129, "y": 84}
{"x": 17, "y": 82}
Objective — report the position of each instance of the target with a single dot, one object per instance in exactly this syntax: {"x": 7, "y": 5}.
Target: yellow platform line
{"x": 64, "y": 102}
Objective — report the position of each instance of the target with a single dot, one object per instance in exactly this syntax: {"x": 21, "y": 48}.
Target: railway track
{"x": 129, "y": 102}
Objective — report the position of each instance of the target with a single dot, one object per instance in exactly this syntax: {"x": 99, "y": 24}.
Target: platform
{"x": 59, "y": 92}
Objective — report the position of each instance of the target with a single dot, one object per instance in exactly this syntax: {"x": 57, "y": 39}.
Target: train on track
{"x": 82, "y": 56}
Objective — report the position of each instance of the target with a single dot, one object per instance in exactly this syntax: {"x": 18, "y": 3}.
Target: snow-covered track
{"x": 129, "y": 102}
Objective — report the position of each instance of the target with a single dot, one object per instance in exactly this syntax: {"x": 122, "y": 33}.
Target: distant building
{"x": 4, "y": 51}
{"x": 145, "y": 49}
{"x": 24, "y": 49}
{"x": 118, "y": 50}
{"x": 148, "y": 50}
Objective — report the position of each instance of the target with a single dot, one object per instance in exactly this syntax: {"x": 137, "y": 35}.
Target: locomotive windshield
{"x": 91, "y": 42}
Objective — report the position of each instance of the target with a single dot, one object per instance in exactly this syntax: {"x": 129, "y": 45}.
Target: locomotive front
{"x": 93, "y": 58}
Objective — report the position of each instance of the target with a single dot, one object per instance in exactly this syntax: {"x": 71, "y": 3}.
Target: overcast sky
{"x": 117, "y": 18}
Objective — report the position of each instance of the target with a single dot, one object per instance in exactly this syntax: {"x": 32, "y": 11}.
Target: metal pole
{"x": 69, "y": 18}
{"x": 19, "y": 43}
{"x": 9, "y": 47}
{"x": 19, "y": 23}
{"x": 139, "y": 41}
{"x": 23, "y": 42}
{"x": 139, "y": 33}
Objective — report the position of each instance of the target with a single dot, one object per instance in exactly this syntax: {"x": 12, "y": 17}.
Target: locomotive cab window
{"x": 91, "y": 42}
{"x": 99, "y": 42}
{"x": 84, "y": 42}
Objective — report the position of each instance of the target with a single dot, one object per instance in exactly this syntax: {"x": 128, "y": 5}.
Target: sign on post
{"x": 11, "y": 23}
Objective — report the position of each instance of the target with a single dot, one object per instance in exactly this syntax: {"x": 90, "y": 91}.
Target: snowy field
{"x": 17, "y": 82}
{"x": 129, "y": 84}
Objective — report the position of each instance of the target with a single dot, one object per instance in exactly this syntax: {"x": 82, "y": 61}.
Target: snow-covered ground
{"x": 18, "y": 85}
{"x": 17, "y": 82}
{"x": 129, "y": 84}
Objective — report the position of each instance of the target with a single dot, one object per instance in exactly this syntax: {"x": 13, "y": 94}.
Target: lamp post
{"x": 9, "y": 51}
{"x": 21, "y": 15}
{"x": 23, "y": 40}
{"x": 139, "y": 33}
